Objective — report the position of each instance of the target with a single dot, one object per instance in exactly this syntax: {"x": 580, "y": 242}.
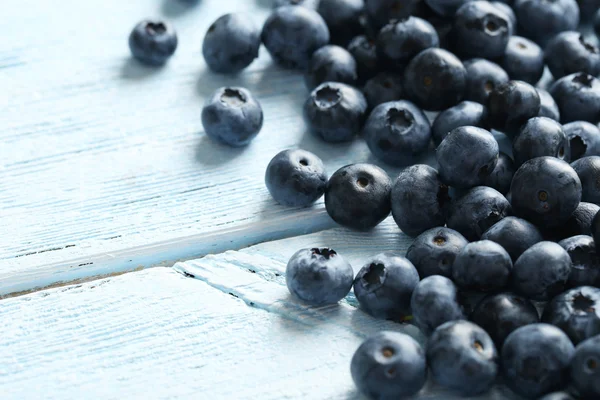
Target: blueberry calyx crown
{"x": 233, "y": 97}
{"x": 588, "y": 46}
{"x": 583, "y": 79}
{"x": 583, "y": 303}
{"x": 375, "y": 274}
{"x": 327, "y": 97}
{"x": 155, "y": 28}
{"x": 325, "y": 252}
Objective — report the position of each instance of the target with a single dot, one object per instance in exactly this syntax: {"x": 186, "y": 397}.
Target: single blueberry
{"x": 523, "y": 60}
{"x": 153, "y": 42}
{"x": 588, "y": 171}
{"x": 331, "y": 64}
{"x": 465, "y": 113}
{"x": 585, "y": 368}
{"x": 569, "y": 52}
{"x": 435, "y": 302}
{"x": 232, "y": 115}
{"x": 502, "y": 175}
{"x": 483, "y": 266}
{"x": 514, "y": 234}
{"x": 580, "y": 222}
{"x": 380, "y": 12}
{"x": 585, "y": 269}
{"x": 318, "y": 276}
{"x": 419, "y": 200}
{"x": 335, "y": 111}
{"x": 545, "y": 191}
{"x": 578, "y": 97}
{"x": 557, "y": 396}
{"x": 231, "y": 43}
{"x": 312, "y": 4}
{"x": 388, "y": 365}
{"x": 483, "y": 76}
{"x": 445, "y": 8}
{"x": 397, "y": 132}
{"x": 548, "y": 107}
{"x": 433, "y": 252}
{"x": 383, "y": 88}
{"x": 343, "y": 18}
{"x": 584, "y": 139}
{"x": 467, "y": 156}
{"x": 538, "y": 137}
{"x": 383, "y": 287}
{"x": 296, "y": 178}
{"x": 511, "y": 104}
{"x": 542, "y": 271}
{"x": 540, "y": 20}
{"x": 292, "y": 34}
{"x": 461, "y": 356}
{"x": 535, "y": 359}
{"x": 358, "y": 196}
{"x": 501, "y": 314}
{"x": 435, "y": 79}
{"x": 364, "y": 51}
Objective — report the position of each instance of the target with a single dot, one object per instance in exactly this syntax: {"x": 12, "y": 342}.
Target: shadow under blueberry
{"x": 212, "y": 152}
{"x": 134, "y": 70}
{"x": 176, "y": 8}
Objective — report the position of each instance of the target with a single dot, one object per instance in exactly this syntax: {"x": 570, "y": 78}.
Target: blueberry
{"x": 580, "y": 222}
{"x": 232, "y": 115}
{"x": 511, "y": 104}
{"x": 292, "y": 34}
{"x": 397, "y": 132}
{"x": 514, "y": 234}
{"x": 482, "y": 77}
{"x": 467, "y": 156}
{"x": 588, "y": 171}
{"x": 540, "y": 20}
{"x": 584, "y": 139}
{"x": 435, "y": 79}
{"x": 445, "y": 8}
{"x": 507, "y": 9}
{"x": 548, "y": 107}
{"x": 331, "y": 64}
{"x": 461, "y": 356}
{"x": 501, "y": 314}
{"x": 476, "y": 211}
{"x": 481, "y": 30}
{"x": 358, "y": 196}
{"x": 597, "y": 21}
{"x": 305, "y": 3}
{"x": 523, "y": 60}
{"x": 342, "y": 18}
{"x": 557, "y": 396}
{"x": 540, "y": 136}
{"x": 419, "y": 200}
{"x": 380, "y": 12}
{"x": 400, "y": 40}
{"x": 545, "y": 191}
{"x": 595, "y": 228}
{"x": 364, "y": 51}
{"x": 388, "y": 365}
{"x": 578, "y": 97}
{"x": 383, "y": 287}
{"x": 569, "y": 52}
{"x": 153, "y": 42}
{"x": 585, "y": 368}
{"x": 502, "y": 175}
{"x": 535, "y": 359}
{"x": 335, "y": 111}
{"x": 318, "y": 276}
{"x": 483, "y": 266}
{"x": 296, "y": 178}
{"x": 433, "y": 252}
{"x": 587, "y": 9}
{"x": 383, "y": 88}
{"x": 465, "y": 113}
{"x": 585, "y": 269}
{"x": 231, "y": 43}
{"x": 434, "y": 302}
{"x": 541, "y": 272}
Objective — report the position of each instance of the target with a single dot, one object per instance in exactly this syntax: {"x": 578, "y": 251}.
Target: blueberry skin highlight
{"x": 545, "y": 191}
{"x": 482, "y": 77}
{"x": 389, "y": 364}
{"x": 435, "y": 79}
{"x": 467, "y": 156}
{"x": 433, "y": 252}
{"x": 231, "y": 43}
{"x": 461, "y": 356}
{"x": 296, "y": 178}
{"x": 153, "y": 42}
{"x": 569, "y": 52}
{"x": 540, "y": 136}
{"x": 364, "y": 51}
{"x": 445, "y": 8}
{"x": 292, "y": 34}
{"x": 523, "y": 60}
{"x": 397, "y": 132}
{"x": 435, "y": 302}
{"x": 548, "y": 107}
{"x": 383, "y": 88}
{"x": 584, "y": 139}
{"x": 535, "y": 360}
{"x": 557, "y": 396}
{"x": 585, "y": 269}
{"x": 502, "y": 175}
{"x": 501, "y": 314}
{"x": 588, "y": 171}
{"x": 232, "y": 116}
{"x": 585, "y": 368}
{"x": 312, "y": 4}
{"x": 342, "y": 18}
{"x": 465, "y": 113}
{"x": 542, "y": 271}
{"x": 383, "y": 287}
{"x": 331, "y": 64}
{"x": 511, "y": 104}
{"x": 540, "y": 20}
{"x": 358, "y": 196}
{"x": 380, "y": 12}
{"x": 483, "y": 266}
{"x": 578, "y": 97}
{"x": 335, "y": 111}
{"x": 318, "y": 276}
{"x": 419, "y": 200}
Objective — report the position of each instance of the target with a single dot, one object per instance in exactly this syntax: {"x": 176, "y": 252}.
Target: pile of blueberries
{"x": 499, "y": 239}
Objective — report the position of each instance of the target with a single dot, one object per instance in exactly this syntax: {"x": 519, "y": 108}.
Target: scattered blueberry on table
{"x": 153, "y": 42}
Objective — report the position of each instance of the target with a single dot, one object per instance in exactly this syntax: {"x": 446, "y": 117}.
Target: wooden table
{"x": 105, "y": 169}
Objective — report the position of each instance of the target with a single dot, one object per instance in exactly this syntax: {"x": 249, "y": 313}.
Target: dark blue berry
{"x": 548, "y": 107}
{"x": 358, "y": 196}
{"x": 153, "y": 42}
{"x": 343, "y": 18}
{"x": 596, "y": 20}
{"x": 364, "y": 51}
{"x": 584, "y": 139}
{"x": 483, "y": 76}
{"x": 465, "y": 113}
{"x": 502, "y": 175}
{"x": 232, "y": 115}
{"x": 540, "y": 20}
{"x": 445, "y": 8}
{"x": 397, "y": 132}
{"x": 569, "y": 52}
{"x": 535, "y": 360}
{"x": 461, "y": 356}
{"x": 380, "y": 12}
{"x": 540, "y": 136}
{"x": 389, "y": 365}
{"x": 580, "y": 222}
{"x": 585, "y": 368}
{"x": 578, "y": 97}
{"x": 382, "y": 88}
{"x": 296, "y": 178}
{"x": 523, "y": 60}
{"x": 507, "y": 9}
{"x": 434, "y": 302}
{"x": 588, "y": 171}
{"x": 331, "y": 64}
{"x": 514, "y": 234}
{"x": 335, "y": 111}
{"x": 511, "y": 104}
{"x": 383, "y": 287}
{"x": 433, "y": 252}
{"x": 483, "y": 266}
{"x": 585, "y": 269}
